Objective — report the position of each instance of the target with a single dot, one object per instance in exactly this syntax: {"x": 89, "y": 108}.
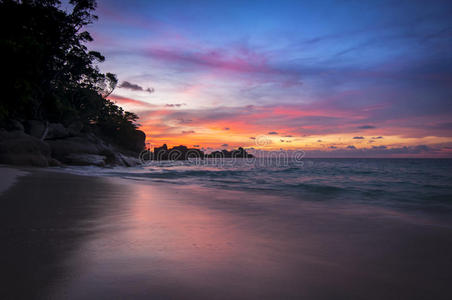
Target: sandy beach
{"x": 67, "y": 236}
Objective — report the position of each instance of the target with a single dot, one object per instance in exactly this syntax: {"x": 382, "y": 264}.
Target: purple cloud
{"x": 135, "y": 87}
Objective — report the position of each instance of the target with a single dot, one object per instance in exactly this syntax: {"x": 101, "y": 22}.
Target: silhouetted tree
{"x": 47, "y": 71}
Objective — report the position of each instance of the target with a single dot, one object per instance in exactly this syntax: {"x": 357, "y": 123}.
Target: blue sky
{"x": 315, "y": 70}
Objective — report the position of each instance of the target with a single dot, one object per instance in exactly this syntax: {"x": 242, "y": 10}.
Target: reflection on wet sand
{"x": 127, "y": 239}
{"x": 43, "y": 220}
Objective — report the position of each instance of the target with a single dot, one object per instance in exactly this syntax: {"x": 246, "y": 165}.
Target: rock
{"x": 86, "y": 159}
{"x": 18, "y": 148}
{"x": 24, "y": 159}
{"x": 56, "y": 131}
{"x": 138, "y": 143}
{"x": 161, "y": 153}
{"x": 129, "y": 161}
{"x": 239, "y": 153}
{"x": 132, "y": 141}
{"x": 84, "y": 150}
{"x": 62, "y": 148}
{"x": 73, "y": 145}
{"x": 75, "y": 128}
{"x": 59, "y": 147}
{"x": 54, "y": 163}
{"x": 176, "y": 153}
{"x": 35, "y": 128}
{"x": 14, "y": 125}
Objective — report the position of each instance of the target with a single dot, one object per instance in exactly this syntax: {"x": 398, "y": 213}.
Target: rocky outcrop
{"x": 48, "y": 131}
{"x": 18, "y": 148}
{"x": 239, "y": 153}
{"x": 56, "y": 131}
{"x": 35, "y": 128}
{"x": 75, "y": 128}
{"x": 136, "y": 141}
{"x": 61, "y": 148}
{"x": 184, "y": 153}
{"x": 50, "y": 144}
{"x": 129, "y": 161}
{"x": 86, "y": 159}
{"x": 176, "y": 153}
{"x": 14, "y": 125}
{"x": 88, "y": 149}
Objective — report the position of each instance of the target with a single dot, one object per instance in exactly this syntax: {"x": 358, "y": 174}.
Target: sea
{"x": 419, "y": 184}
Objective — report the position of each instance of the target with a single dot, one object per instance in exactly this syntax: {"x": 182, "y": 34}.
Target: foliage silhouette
{"x": 49, "y": 74}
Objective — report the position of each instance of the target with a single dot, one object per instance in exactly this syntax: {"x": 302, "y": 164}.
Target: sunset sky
{"x": 333, "y": 78}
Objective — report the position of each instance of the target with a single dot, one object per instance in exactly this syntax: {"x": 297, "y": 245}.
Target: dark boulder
{"x": 75, "y": 128}
{"x": 79, "y": 150}
{"x": 63, "y": 147}
{"x": 88, "y": 149}
{"x": 70, "y": 146}
{"x": 56, "y": 131}
{"x": 138, "y": 141}
{"x": 133, "y": 141}
{"x": 129, "y": 161}
{"x": 18, "y": 148}
{"x": 35, "y": 128}
{"x": 83, "y": 159}
{"x": 14, "y": 125}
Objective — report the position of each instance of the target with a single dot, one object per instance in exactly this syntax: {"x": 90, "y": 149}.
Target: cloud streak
{"x": 135, "y": 87}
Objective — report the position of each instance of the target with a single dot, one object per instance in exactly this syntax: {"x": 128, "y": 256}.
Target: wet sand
{"x": 77, "y": 237}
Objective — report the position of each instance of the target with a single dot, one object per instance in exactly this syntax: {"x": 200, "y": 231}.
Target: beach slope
{"x": 80, "y": 237}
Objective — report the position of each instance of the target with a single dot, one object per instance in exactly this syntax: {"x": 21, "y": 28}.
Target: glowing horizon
{"x": 325, "y": 76}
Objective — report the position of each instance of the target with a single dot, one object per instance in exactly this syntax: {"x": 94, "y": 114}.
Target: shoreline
{"x": 14, "y": 173}
{"x": 9, "y": 175}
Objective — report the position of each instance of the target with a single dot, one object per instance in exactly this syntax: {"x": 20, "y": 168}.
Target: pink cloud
{"x": 222, "y": 62}
{"x": 124, "y": 101}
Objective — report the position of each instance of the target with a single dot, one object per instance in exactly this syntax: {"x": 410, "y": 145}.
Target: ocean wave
{"x": 318, "y": 188}
{"x": 176, "y": 174}
{"x": 379, "y": 181}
